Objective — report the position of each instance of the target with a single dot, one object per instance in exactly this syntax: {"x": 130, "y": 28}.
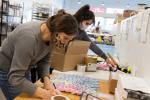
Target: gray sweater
{"x": 21, "y": 49}
{"x": 83, "y": 36}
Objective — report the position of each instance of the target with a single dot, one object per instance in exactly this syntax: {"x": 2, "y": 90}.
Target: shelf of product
{"x": 11, "y": 15}
{"x": 3, "y": 17}
{"x": 107, "y": 39}
{"x": 40, "y": 12}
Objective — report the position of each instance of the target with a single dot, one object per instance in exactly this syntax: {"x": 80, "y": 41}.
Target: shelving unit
{"x": 15, "y": 15}
{"x": 40, "y": 12}
{"x": 17, "y": 11}
{"x": 3, "y": 18}
{"x": 8, "y": 14}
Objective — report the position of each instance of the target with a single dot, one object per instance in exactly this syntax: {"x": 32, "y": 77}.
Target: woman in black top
{"x": 86, "y": 17}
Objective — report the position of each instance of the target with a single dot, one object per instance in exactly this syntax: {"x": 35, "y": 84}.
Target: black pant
{"x": 35, "y": 76}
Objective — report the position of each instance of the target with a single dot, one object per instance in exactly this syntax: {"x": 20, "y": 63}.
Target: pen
{"x": 54, "y": 85}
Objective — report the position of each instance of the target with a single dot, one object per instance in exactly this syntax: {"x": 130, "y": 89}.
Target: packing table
{"x": 103, "y": 77}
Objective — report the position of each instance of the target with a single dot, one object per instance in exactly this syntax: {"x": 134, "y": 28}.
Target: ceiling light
{"x": 79, "y": 1}
{"x": 102, "y": 4}
{"x": 127, "y": 6}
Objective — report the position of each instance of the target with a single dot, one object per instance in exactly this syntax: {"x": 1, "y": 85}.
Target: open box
{"x": 67, "y": 60}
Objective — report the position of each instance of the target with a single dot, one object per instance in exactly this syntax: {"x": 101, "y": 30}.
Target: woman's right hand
{"x": 43, "y": 93}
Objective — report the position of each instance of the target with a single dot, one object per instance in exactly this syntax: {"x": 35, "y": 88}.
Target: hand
{"x": 43, "y": 93}
{"x": 58, "y": 92}
{"x": 53, "y": 90}
{"x": 48, "y": 85}
{"x": 109, "y": 61}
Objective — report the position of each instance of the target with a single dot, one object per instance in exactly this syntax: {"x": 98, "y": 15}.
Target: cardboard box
{"x": 113, "y": 79}
{"x": 90, "y": 62}
{"x": 68, "y": 60}
{"x": 118, "y": 19}
{"x": 128, "y": 13}
{"x": 91, "y": 67}
{"x": 90, "y": 59}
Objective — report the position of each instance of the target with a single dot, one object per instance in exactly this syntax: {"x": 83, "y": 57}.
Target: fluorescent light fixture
{"x": 79, "y": 1}
{"x": 102, "y": 4}
{"x": 128, "y": 6}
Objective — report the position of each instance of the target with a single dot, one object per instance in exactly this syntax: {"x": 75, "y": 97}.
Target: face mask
{"x": 58, "y": 43}
{"x": 83, "y": 27}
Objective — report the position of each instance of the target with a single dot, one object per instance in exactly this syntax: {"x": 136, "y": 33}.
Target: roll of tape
{"x": 59, "y": 97}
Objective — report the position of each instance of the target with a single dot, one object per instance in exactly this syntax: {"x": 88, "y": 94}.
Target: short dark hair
{"x": 62, "y": 23}
{"x": 84, "y": 13}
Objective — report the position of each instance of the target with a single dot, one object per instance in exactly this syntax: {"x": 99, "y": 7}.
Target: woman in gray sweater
{"x": 30, "y": 44}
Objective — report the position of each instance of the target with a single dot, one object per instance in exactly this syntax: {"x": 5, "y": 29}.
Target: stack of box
{"x": 132, "y": 88}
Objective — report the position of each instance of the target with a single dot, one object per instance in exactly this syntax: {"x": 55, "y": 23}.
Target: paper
{"x": 134, "y": 32}
{"x": 127, "y": 29}
{"x": 144, "y": 27}
{"x": 124, "y": 27}
{"x": 138, "y": 23}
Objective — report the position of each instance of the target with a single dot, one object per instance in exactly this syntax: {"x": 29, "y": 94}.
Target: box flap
{"x": 58, "y": 50}
{"x": 78, "y": 47}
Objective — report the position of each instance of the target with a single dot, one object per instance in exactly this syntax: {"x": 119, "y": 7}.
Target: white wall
{"x": 133, "y": 46}
{"x": 56, "y": 5}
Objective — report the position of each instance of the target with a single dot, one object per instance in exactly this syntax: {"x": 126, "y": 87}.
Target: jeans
{"x": 8, "y": 90}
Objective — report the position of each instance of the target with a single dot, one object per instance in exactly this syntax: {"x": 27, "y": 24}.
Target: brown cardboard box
{"x": 128, "y": 13}
{"x": 90, "y": 62}
{"x": 118, "y": 18}
{"x": 113, "y": 79}
{"x": 90, "y": 59}
{"x": 67, "y": 61}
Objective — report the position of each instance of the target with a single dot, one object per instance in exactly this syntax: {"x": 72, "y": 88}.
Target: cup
{"x": 81, "y": 68}
{"x": 59, "y": 97}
